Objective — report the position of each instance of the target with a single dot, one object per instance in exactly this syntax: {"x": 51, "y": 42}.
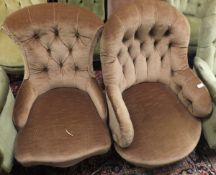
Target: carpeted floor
{"x": 202, "y": 161}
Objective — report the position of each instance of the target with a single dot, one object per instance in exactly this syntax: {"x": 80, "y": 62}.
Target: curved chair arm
{"x": 119, "y": 117}
{"x": 193, "y": 94}
{"x": 25, "y": 98}
{"x": 4, "y": 88}
{"x": 98, "y": 99}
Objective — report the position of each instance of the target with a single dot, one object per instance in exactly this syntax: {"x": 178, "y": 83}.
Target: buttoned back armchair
{"x": 154, "y": 98}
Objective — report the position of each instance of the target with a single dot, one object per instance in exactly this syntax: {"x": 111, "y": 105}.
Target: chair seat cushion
{"x": 63, "y": 128}
{"x": 165, "y": 131}
{"x": 10, "y": 56}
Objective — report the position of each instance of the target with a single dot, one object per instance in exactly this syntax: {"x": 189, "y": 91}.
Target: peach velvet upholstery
{"x": 58, "y": 42}
{"x": 147, "y": 41}
{"x": 160, "y": 130}
{"x": 69, "y": 137}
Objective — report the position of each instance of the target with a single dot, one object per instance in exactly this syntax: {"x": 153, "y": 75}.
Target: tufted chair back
{"x": 148, "y": 45}
{"x": 58, "y": 47}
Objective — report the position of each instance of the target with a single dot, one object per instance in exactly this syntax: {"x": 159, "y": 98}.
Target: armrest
{"x": 25, "y": 98}
{"x": 4, "y": 88}
{"x": 119, "y": 117}
{"x": 207, "y": 76}
{"x": 98, "y": 99}
{"x": 193, "y": 93}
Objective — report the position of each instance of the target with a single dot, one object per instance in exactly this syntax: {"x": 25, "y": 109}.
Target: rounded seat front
{"x": 63, "y": 128}
{"x": 164, "y": 131}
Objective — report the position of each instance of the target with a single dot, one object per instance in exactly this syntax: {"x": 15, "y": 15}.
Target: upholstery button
{"x": 76, "y": 68}
{"x": 156, "y": 43}
{"x": 134, "y": 61}
{"x": 70, "y": 49}
{"x": 142, "y": 44}
{"x": 55, "y": 31}
{"x": 77, "y": 35}
{"x": 172, "y": 72}
{"x": 119, "y": 54}
{"x": 49, "y": 50}
{"x": 136, "y": 35}
{"x": 170, "y": 45}
{"x": 61, "y": 64}
{"x": 147, "y": 59}
{"x": 45, "y": 69}
{"x": 162, "y": 58}
{"x": 152, "y": 32}
{"x": 36, "y": 35}
{"x": 168, "y": 32}
{"x": 129, "y": 49}
{"x": 199, "y": 4}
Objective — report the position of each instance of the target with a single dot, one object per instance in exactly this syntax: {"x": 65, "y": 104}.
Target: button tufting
{"x": 61, "y": 64}
{"x": 172, "y": 72}
{"x": 134, "y": 61}
{"x": 56, "y": 31}
{"x": 77, "y": 35}
{"x": 147, "y": 59}
{"x": 45, "y": 69}
{"x": 156, "y": 43}
{"x": 162, "y": 58}
{"x": 36, "y": 35}
{"x": 129, "y": 49}
{"x": 168, "y": 32}
{"x": 170, "y": 45}
{"x": 49, "y": 50}
{"x": 119, "y": 54}
{"x": 70, "y": 49}
{"x": 152, "y": 32}
{"x": 76, "y": 68}
{"x": 136, "y": 35}
{"x": 124, "y": 39}
{"x": 142, "y": 44}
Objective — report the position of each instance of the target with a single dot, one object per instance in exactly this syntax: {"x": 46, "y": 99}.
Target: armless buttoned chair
{"x": 155, "y": 100}
{"x": 10, "y": 56}
{"x": 60, "y": 110}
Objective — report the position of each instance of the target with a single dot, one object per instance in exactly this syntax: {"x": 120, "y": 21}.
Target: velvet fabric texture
{"x": 176, "y": 132}
{"x": 58, "y": 50}
{"x": 10, "y": 56}
{"x": 147, "y": 41}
